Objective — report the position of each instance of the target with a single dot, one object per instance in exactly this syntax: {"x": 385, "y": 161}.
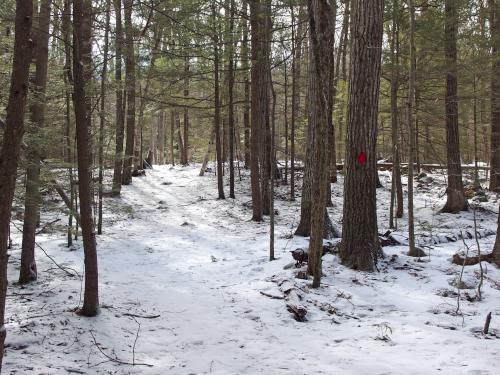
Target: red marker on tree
{"x": 362, "y": 158}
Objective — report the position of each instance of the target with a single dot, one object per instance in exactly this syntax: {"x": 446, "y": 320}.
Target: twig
{"x": 135, "y": 341}
{"x": 115, "y": 359}
{"x": 142, "y": 316}
{"x": 271, "y": 295}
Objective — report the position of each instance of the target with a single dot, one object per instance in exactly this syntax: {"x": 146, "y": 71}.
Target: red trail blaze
{"x": 362, "y": 158}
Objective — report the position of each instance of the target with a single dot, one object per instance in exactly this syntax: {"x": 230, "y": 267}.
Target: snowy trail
{"x": 171, "y": 249}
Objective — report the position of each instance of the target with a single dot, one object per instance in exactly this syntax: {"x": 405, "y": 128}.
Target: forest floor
{"x": 181, "y": 276}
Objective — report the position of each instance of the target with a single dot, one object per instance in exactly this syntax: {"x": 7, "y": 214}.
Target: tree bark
{"x": 246, "y": 83}
{"x": 68, "y": 78}
{"x": 12, "y": 138}
{"x": 28, "y": 271}
{"x": 130, "y": 86}
{"x": 82, "y": 68}
{"x": 496, "y": 248}
{"x": 456, "y": 200}
{"x": 102, "y": 116}
{"x": 258, "y": 112}
{"x": 120, "y": 118}
{"x": 360, "y": 246}
{"x": 218, "y": 141}
{"x": 397, "y": 186}
{"x": 296, "y": 60}
{"x": 172, "y": 134}
{"x": 184, "y": 158}
{"x": 411, "y": 133}
{"x": 321, "y": 31}
{"x": 495, "y": 95}
{"x": 231, "y": 100}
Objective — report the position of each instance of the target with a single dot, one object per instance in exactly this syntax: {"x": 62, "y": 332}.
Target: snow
{"x": 170, "y": 248}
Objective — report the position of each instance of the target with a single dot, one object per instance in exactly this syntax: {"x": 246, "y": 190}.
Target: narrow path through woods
{"x": 187, "y": 257}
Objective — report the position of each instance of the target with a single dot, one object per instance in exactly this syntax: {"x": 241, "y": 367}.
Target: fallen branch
{"x": 66, "y": 200}
{"x": 142, "y": 316}
{"x": 62, "y": 268}
{"x": 115, "y": 359}
{"x": 271, "y": 295}
{"x": 46, "y": 225}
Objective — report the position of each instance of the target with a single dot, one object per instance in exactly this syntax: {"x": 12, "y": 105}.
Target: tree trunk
{"x": 102, "y": 115}
{"x": 397, "y": 186}
{"x": 321, "y": 34}
{"x": 246, "y": 82}
{"x": 12, "y": 138}
{"x": 180, "y": 141}
{"x": 161, "y": 137}
{"x": 456, "y": 200}
{"x": 172, "y": 135}
{"x": 231, "y": 100}
{"x": 258, "y": 89}
{"x": 297, "y": 54}
{"x": 28, "y": 271}
{"x": 130, "y": 88}
{"x": 496, "y": 249}
{"x": 207, "y": 154}
{"x": 218, "y": 141}
{"x": 495, "y": 95}
{"x": 264, "y": 103}
{"x": 411, "y": 133}
{"x": 120, "y": 118}
{"x": 343, "y": 74}
{"x": 331, "y": 149}
{"x": 66, "y": 22}
{"x": 157, "y": 37}
{"x": 360, "y": 246}
{"x": 152, "y": 140}
{"x": 82, "y": 68}
{"x": 185, "y": 158}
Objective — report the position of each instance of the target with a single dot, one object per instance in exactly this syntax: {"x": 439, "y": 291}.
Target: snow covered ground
{"x": 181, "y": 276}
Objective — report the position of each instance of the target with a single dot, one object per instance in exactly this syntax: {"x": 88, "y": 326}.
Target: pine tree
{"x": 360, "y": 246}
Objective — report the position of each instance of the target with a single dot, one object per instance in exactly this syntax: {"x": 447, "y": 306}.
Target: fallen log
{"x": 292, "y": 300}
{"x": 471, "y": 261}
